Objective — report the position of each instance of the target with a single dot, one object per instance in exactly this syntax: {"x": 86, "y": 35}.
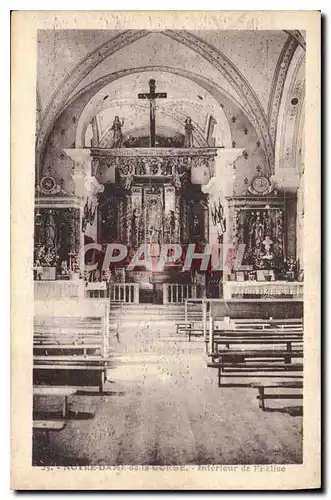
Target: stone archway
{"x": 209, "y": 52}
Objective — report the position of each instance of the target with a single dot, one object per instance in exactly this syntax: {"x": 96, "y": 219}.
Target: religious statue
{"x": 134, "y": 227}
{"x": 258, "y": 231}
{"x": 267, "y": 243}
{"x": 64, "y": 267}
{"x": 117, "y": 132}
{"x": 179, "y": 179}
{"x": 166, "y": 168}
{"x": 126, "y": 174}
{"x": 154, "y": 222}
{"x": 195, "y": 225}
{"x": 50, "y": 229}
{"x": 171, "y": 225}
{"x": 188, "y": 141}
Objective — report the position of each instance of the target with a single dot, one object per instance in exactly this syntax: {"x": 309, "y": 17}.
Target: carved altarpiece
{"x": 261, "y": 223}
{"x": 150, "y": 195}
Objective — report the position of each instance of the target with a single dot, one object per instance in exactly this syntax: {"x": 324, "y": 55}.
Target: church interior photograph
{"x": 168, "y": 247}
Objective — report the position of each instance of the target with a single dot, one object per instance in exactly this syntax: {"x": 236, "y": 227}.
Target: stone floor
{"x": 163, "y": 407}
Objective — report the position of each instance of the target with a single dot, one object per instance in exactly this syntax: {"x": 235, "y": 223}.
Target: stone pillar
{"x": 86, "y": 188}
{"x": 219, "y": 187}
{"x": 300, "y": 222}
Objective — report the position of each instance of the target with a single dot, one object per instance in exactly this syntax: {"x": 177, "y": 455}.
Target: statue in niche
{"x": 50, "y": 229}
{"x": 171, "y": 225}
{"x": 268, "y": 223}
{"x": 188, "y": 141}
{"x": 195, "y": 222}
{"x": 117, "y": 133}
{"x": 135, "y": 226}
{"x": 165, "y": 168}
{"x": 258, "y": 231}
{"x": 126, "y": 174}
{"x": 154, "y": 222}
{"x": 256, "y": 238}
{"x": 179, "y": 179}
{"x": 267, "y": 243}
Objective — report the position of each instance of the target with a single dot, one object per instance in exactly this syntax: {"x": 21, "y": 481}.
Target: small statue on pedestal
{"x": 267, "y": 243}
{"x": 117, "y": 133}
{"x": 188, "y": 141}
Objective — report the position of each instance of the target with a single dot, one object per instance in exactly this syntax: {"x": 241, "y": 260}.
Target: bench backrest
{"x": 72, "y": 319}
{"x": 256, "y": 308}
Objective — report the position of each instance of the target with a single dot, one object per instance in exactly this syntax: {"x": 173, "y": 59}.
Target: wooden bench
{"x": 183, "y": 327}
{"x": 195, "y": 315}
{"x": 277, "y": 385}
{"x": 67, "y": 343}
{"x": 253, "y": 337}
{"x": 98, "y": 367}
{"x": 64, "y": 392}
{"x": 250, "y": 326}
{"x": 291, "y": 322}
{"x": 256, "y": 363}
{"x": 48, "y": 425}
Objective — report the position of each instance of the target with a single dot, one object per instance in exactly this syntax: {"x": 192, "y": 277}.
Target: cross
{"x": 152, "y": 96}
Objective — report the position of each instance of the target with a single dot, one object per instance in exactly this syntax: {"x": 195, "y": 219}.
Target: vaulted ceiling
{"x": 200, "y": 71}
{"x": 254, "y": 53}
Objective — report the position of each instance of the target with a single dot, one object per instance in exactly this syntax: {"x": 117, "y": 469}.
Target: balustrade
{"x": 177, "y": 293}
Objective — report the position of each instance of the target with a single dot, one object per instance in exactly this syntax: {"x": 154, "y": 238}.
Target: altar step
{"x": 161, "y": 316}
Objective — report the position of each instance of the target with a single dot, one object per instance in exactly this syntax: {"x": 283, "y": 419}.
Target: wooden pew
{"x": 72, "y": 336}
{"x": 262, "y": 396}
{"x": 256, "y": 309}
{"x": 264, "y": 364}
{"x": 195, "y": 313}
{"x": 253, "y": 314}
{"x": 275, "y": 328}
{"x": 265, "y": 336}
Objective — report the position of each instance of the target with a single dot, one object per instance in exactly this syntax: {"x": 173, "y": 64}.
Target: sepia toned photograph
{"x": 167, "y": 250}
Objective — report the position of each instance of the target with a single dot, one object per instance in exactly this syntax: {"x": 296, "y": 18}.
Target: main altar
{"x": 153, "y": 195}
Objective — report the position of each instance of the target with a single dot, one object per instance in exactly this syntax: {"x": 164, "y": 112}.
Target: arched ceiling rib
{"x": 209, "y": 52}
{"x": 281, "y": 71}
{"x": 228, "y": 69}
{"x": 78, "y": 73}
{"x": 297, "y": 35}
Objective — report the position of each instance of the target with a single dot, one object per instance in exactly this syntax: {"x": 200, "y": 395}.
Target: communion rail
{"x": 127, "y": 293}
{"x": 177, "y": 293}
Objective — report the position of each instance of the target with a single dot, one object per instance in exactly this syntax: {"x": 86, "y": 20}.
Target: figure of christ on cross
{"x": 152, "y": 96}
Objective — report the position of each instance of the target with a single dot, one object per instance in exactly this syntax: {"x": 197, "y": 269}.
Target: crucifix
{"x": 152, "y": 96}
